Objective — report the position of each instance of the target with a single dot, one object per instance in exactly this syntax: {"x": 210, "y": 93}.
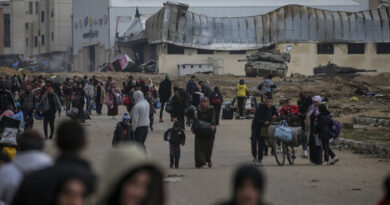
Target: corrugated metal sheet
{"x": 293, "y": 23}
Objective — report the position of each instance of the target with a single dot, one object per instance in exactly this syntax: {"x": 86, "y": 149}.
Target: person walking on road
{"x": 49, "y": 105}
{"x": 123, "y": 132}
{"x": 179, "y": 105}
{"x": 204, "y": 144}
{"x": 315, "y": 144}
{"x": 176, "y": 137}
{"x": 140, "y": 118}
{"x": 304, "y": 103}
{"x": 99, "y": 97}
{"x": 265, "y": 113}
{"x": 206, "y": 89}
{"x": 89, "y": 94}
{"x": 165, "y": 92}
{"x": 323, "y": 128}
{"x": 266, "y": 86}
{"x": 241, "y": 90}
{"x": 216, "y": 101}
{"x": 28, "y": 102}
{"x": 191, "y": 89}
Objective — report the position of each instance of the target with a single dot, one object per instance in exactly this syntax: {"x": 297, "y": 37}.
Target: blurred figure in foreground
{"x": 69, "y": 180}
{"x": 386, "y": 198}
{"x": 135, "y": 181}
{"x": 248, "y": 187}
{"x": 29, "y": 159}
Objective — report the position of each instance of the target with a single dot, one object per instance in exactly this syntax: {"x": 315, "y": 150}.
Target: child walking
{"x": 176, "y": 137}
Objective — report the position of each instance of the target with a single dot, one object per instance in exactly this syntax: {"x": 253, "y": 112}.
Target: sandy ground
{"x": 356, "y": 179}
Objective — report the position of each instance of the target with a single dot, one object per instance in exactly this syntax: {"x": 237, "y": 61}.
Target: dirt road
{"x": 356, "y": 179}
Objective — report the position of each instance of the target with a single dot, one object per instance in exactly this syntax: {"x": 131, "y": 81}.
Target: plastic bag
{"x": 283, "y": 132}
{"x": 9, "y": 136}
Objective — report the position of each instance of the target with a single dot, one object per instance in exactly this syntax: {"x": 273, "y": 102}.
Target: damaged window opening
{"x": 325, "y": 48}
{"x": 383, "y": 48}
{"x": 30, "y": 7}
{"x": 36, "y": 8}
{"x": 203, "y": 51}
{"x": 36, "y": 41}
{"x": 7, "y": 30}
{"x": 356, "y": 48}
{"x": 43, "y": 40}
{"x": 172, "y": 49}
{"x": 42, "y": 16}
{"x": 237, "y": 52}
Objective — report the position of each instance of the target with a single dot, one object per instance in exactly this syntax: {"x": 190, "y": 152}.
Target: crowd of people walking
{"x": 197, "y": 106}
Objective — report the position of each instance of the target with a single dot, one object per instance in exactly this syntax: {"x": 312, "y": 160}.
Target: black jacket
{"x": 263, "y": 114}
{"x": 118, "y": 134}
{"x": 6, "y": 101}
{"x": 41, "y": 187}
{"x": 323, "y": 125}
{"x": 177, "y": 137}
{"x": 216, "y": 95}
{"x": 28, "y": 101}
{"x": 165, "y": 90}
{"x": 304, "y": 105}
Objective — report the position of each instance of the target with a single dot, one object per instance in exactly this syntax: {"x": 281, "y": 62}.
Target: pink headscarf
{"x": 313, "y": 108}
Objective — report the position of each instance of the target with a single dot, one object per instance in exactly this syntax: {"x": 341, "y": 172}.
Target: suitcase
{"x": 227, "y": 113}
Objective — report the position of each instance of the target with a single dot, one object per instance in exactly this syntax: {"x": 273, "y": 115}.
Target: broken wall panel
{"x": 293, "y": 23}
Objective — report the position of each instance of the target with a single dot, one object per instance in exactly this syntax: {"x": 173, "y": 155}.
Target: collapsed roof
{"x": 176, "y": 25}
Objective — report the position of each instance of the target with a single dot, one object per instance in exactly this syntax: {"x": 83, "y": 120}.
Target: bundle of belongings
{"x": 73, "y": 114}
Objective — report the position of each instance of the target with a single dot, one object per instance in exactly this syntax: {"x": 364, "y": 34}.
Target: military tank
{"x": 333, "y": 69}
{"x": 267, "y": 62}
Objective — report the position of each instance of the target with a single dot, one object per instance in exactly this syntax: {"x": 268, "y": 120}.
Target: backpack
{"x": 127, "y": 101}
{"x": 336, "y": 128}
{"x": 169, "y": 105}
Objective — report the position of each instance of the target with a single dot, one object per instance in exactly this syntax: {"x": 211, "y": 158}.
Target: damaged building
{"x": 97, "y": 24}
{"x": 176, "y": 35}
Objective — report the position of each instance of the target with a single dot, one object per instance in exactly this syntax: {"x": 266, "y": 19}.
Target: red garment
{"x": 383, "y": 202}
{"x": 290, "y": 109}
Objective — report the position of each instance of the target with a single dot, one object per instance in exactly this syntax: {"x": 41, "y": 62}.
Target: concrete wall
{"x": 1, "y": 33}
{"x": 81, "y": 60}
{"x": 304, "y": 58}
{"x": 167, "y": 63}
{"x": 17, "y": 9}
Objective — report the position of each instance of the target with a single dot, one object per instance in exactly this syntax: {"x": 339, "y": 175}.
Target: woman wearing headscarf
{"x": 216, "y": 101}
{"x": 248, "y": 187}
{"x": 111, "y": 97}
{"x": 315, "y": 145}
{"x": 204, "y": 144}
{"x": 179, "y": 105}
{"x": 135, "y": 179}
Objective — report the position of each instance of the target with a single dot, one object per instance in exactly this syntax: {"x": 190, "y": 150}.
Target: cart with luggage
{"x": 10, "y": 129}
{"x": 283, "y": 139}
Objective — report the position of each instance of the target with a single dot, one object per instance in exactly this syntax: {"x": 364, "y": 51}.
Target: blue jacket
{"x": 191, "y": 88}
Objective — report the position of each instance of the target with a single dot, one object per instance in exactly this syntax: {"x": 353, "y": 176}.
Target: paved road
{"x": 356, "y": 179}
